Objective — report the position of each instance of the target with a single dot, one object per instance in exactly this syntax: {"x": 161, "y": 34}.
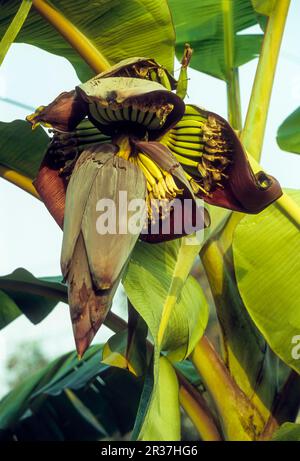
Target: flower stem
{"x": 14, "y": 28}
{"x": 84, "y": 47}
{"x": 253, "y": 133}
{"x": 240, "y": 418}
{"x": 18, "y": 179}
{"x": 232, "y": 73}
{"x": 197, "y": 410}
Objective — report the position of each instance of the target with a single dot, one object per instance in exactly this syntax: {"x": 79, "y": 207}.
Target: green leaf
{"x": 218, "y": 218}
{"x": 71, "y": 400}
{"x": 21, "y": 292}
{"x": 265, "y": 257}
{"x": 245, "y": 352}
{"x": 21, "y": 149}
{"x": 14, "y": 404}
{"x": 288, "y": 134}
{"x": 201, "y": 25}
{"x": 9, "y": 311}
{"x": 163, "y": 418}
{"x": 288, "y": 432}
{"x": 127, "y": 349}
{"x": 187, "y": 368}
{"x": 118, "y": 29}
{"x": 264, "y": 7}
{"x": 188, "y": 322}
{"x": 70, "y": 372}
{"x": 154, "y": 280}
{"x": 84, "y": 412}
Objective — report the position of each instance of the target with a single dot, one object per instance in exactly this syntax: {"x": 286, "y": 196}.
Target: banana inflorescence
{"x": 65, "y": 147}
{"x": 161, "y": 186}
{"x": 198, "y": 143}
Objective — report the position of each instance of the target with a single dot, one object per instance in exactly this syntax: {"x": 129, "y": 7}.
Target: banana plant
{"x": 127, "y": 129}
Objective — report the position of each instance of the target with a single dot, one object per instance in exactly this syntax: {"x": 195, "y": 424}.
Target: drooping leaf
{"x": 265, "y": 248}
{"x": 119, "y": 29}
{"x": 14, "y": 404}
{"x": 21, "y": 149}
{"x": 190, "y": 315}
{"x": 71, "y": 400}
{"x": 201, "y": 25}
{"x": 288, "y": 432}
{"x": 288, "y": 134}
{"x": 21, "y": 292}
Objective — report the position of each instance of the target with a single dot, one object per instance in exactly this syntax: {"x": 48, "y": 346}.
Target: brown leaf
{"x": 52, "y": 190}
{"x": 243, "y": 190}
{"x": 64, "y": 113}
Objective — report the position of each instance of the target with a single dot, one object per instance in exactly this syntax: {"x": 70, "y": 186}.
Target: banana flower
{"x": 126, "y": 130}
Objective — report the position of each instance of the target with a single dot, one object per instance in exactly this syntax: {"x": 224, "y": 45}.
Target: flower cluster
{"x": 127, "y": 130}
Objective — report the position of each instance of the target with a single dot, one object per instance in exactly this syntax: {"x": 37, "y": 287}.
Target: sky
{"x": 30, "y": 238}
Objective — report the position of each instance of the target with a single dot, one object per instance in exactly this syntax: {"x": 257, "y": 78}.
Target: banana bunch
{"x": 161, "y": 186}
{"x": 185, "y": 140}
{"x": 197, "y": 143}
{"x": 146, "y": 116}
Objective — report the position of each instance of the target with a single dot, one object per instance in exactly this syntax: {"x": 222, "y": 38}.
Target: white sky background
{"x": 30, "y": 238}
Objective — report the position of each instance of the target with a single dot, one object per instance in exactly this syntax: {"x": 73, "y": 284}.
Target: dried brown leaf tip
{"x": 64, "y": 113}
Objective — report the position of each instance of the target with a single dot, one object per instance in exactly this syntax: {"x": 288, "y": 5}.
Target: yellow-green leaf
{"x": 14, "y": 28}
{"x": 127, "y": 348}
{"x": 267, "y": 268}
{"x": 288, "y": 432}
{"x": 162, "y": 421}
{"x": 156, "y": 284}
{"x": 245, "y": 352}
{"x": 200, "y": 23}
{"x": 264, "y": 7}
